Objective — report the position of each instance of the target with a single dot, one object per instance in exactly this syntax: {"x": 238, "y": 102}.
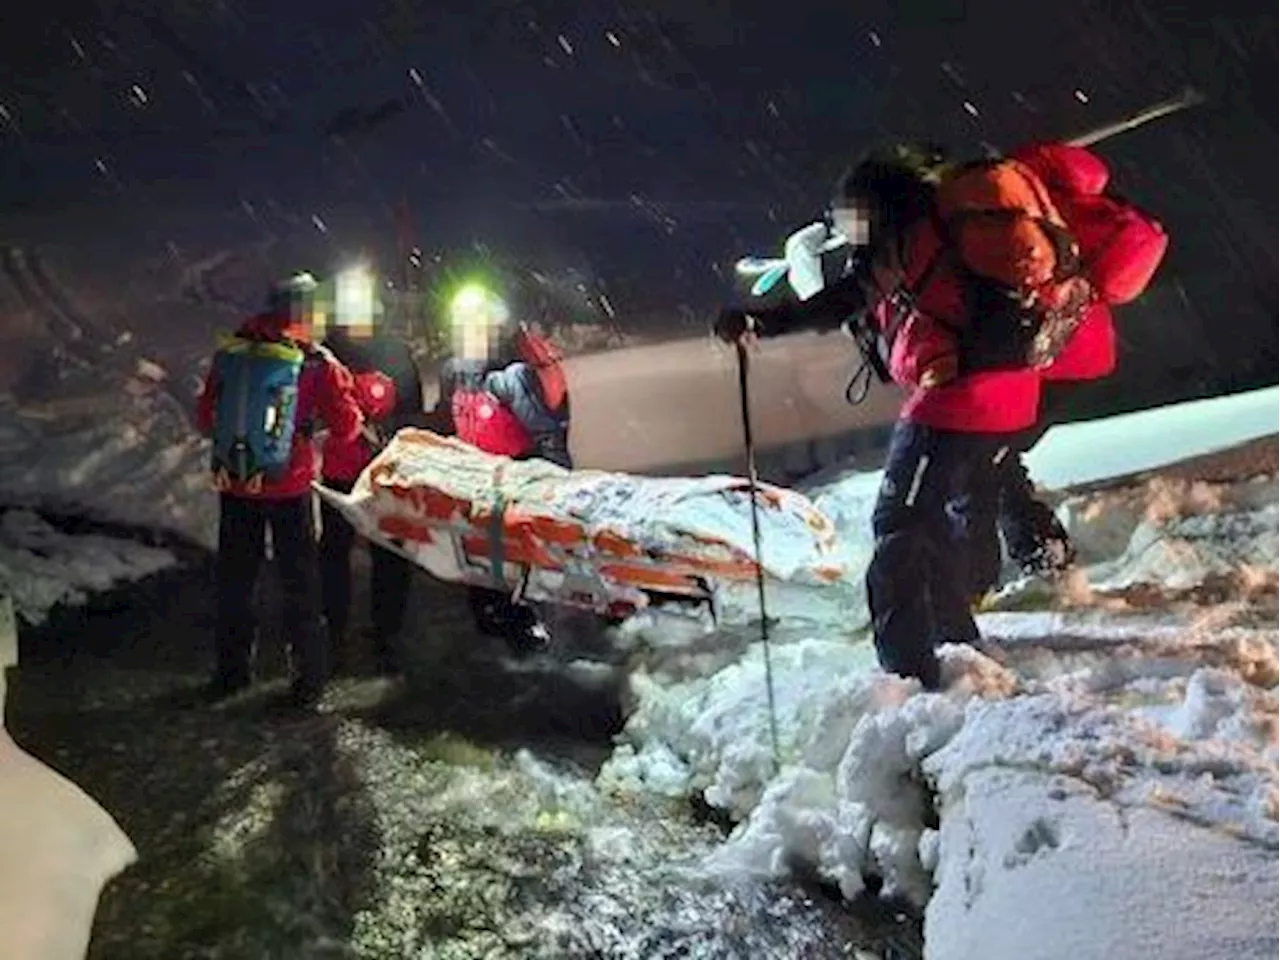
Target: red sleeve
{"x": 337, "y": 402}
{"x": 204, "y": 404}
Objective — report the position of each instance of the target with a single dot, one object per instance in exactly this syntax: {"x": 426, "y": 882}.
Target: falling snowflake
{"x": 613, "y": 38}
{"x": 1081, "y": 96}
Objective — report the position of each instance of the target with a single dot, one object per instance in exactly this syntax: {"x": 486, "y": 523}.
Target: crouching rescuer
{"x": 503, "y": 392}
{"x": 961, "y": 283}
{"x": 267, "y": 390}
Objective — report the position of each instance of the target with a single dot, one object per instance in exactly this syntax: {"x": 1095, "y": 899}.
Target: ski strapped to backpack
{"x": 255, "y": 413}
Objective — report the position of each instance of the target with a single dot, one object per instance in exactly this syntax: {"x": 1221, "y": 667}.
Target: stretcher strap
{"x": 497, "y": 556}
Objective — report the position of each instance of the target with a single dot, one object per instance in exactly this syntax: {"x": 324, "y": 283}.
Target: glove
{"x": 734, "y": 325}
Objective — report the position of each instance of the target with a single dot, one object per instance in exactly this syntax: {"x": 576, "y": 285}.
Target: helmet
{"x": 288, "y": 296}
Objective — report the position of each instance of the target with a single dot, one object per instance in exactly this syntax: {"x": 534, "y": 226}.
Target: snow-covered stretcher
{"x": 607, "y": 542}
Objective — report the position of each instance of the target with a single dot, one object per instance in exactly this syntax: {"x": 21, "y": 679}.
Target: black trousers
{"x": 242, "y": 527}
{"x": 389, "y": 582}
{"x": 1025, "y": 523}
{"x": 936, "y": 506}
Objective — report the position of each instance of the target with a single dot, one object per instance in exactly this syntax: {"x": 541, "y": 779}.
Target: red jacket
{"x": 1090, "y": 354}
{"x": 987, "y": 401}
{"x": 324, "y": 393}
{"x": 345, "y": 457}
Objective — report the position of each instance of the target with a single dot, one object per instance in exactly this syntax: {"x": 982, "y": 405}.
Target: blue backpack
{"x": 255, "y": 416}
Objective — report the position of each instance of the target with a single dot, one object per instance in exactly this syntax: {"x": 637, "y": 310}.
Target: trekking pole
{"x": 744, "y": 397}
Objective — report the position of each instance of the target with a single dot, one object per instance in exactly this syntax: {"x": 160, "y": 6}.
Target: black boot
{"x": 525, "y": 636}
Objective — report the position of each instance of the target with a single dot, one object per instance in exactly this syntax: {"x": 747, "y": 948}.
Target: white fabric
{"x": 803, "y": 252}
{"x": 58, "y": 848}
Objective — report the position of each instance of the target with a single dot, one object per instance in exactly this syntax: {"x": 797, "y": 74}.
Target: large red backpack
{"x": 1040, "y": 251}
{"x": 1121, "y": 247}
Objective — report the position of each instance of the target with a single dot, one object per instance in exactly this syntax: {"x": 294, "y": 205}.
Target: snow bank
{"x": 1108, "y": 788}
{"x": 110, "y": 456}
{"x": 1080, "y": 453}
{"x": 41, "y": 567}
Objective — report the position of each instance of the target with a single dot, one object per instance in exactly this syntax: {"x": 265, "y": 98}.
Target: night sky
{"x": 648, "y": 144}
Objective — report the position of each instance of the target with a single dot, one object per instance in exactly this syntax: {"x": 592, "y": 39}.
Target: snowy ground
{"x": 1100, "y": 782}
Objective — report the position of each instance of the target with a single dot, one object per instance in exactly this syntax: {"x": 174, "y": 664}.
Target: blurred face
{"x": 354, "y": 302}
{"x": 301, "y": 312}
{"x": 852, "y": 220}
{"x": 476, "y": 318}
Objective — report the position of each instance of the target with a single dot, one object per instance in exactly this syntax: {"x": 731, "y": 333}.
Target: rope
{"x": 752, "y": 479}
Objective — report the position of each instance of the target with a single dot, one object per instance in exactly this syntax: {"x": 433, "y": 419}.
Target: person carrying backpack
{"x": 1121, "y": 248}
{"x": 266, "y": 391}
{"x": 388, "y": 388}
{"x": 503, "y": 392}
{"x": 967, "y": 283}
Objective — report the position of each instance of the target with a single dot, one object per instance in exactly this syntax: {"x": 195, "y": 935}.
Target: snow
{"x": 1083, "y": 452}
{"x": 1100, "y": 780}
{"x": 109, "y": 455}
{"x": 42, "y": 567}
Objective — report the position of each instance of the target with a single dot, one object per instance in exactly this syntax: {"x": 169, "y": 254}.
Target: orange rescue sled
{"x": 607, "y": 542}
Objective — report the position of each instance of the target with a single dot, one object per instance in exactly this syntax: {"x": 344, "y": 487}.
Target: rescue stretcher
{"x": 610, "y": 543}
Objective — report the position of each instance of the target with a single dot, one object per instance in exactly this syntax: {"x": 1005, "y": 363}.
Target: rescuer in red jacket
{"x": 940, "y": 483}
{"x": 503, "y": 392}
{"x": 388, "y": 388}
{"x": 266, "y": 392}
